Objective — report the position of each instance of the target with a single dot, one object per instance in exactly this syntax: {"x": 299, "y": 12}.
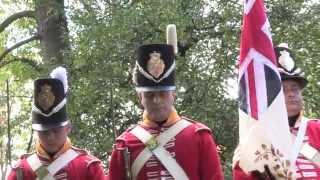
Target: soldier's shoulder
{"x": 79, "y": 150}
{"x": 91, "y": 159}
{"x": 82, "y": 152}
{"x": 17, "y": 165}
{"x": 312, "y": 121}
{"x": 86, "y": 156}
{"x": 198, "y": 126}
{"x": 26, "y": 155}
{"x": 20, "y": 163}
{"x": 122, "y": 140}
{"x": 126, "y": 133}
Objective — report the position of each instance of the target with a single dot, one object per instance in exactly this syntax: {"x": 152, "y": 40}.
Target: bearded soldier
{"x": 163, "y": 145}
{"x": 54, "y": 157}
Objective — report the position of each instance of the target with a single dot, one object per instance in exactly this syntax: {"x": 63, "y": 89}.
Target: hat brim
{"x": 155, "y": 88}
{"x": 45, "y": 127}
{"x": 301, "y": 80}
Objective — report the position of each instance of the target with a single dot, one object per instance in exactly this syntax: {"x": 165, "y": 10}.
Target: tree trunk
{"x": 53, "y": 30}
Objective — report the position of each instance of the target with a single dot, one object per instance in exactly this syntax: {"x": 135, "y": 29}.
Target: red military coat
{"x": 193, "y": 148}
{"x": 83, "y": 167}
{"x": 305, "y": 169}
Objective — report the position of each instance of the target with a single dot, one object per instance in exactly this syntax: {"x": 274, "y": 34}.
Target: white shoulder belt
{"x": 154, "y": 146}
{"x": 48, "y": 172}
{"x": 304, "y": 149}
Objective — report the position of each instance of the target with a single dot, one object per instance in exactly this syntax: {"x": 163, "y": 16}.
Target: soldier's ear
{"x": 139, "y": 96}
{"x": 174, "y": 94}
{"x": 69, "y": 127}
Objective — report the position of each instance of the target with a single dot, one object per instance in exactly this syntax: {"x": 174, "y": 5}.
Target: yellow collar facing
{"x": 173, "y": 118}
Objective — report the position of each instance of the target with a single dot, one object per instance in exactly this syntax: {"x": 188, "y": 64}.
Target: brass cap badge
{"x": 46, "y": 97}
{"x": 155, "y": 65}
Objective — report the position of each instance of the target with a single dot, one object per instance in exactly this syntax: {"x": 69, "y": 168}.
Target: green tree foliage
{"x": 103, "y": 37}
{"x": 101, "y": 73}
{"x": 298, "y": 24}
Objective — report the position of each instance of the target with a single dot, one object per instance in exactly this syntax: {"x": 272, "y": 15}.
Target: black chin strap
{"x": 293, "y": 120}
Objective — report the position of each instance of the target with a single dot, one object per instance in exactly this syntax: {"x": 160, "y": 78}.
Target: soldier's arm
{"x": 12, "y": 174}
{"x": 95, "y": 170}
{"x": 116, "y": 164}
{"x": 21, "y": 171}
{"x": 210, "y": 166}
{"x": 239, "y": 174}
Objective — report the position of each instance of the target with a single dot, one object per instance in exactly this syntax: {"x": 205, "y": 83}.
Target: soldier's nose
{"x": 50, "y": 135}
{"x": 156, "y": 99}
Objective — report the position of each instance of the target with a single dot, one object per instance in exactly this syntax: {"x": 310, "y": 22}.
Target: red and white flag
{"x": 263, "y": 122}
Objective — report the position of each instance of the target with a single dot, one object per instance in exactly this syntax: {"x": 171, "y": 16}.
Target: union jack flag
{"x": 262, "y": 112}
{"x": 260, "y": 81}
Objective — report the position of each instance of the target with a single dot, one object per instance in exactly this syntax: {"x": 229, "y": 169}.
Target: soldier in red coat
{"x": 305, "y": 132}
{"x": 54, "y": 157}
{"x": 163, "y": 145}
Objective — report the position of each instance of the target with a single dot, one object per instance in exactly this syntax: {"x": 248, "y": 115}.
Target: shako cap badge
{"x": 46, "y": 97}
{"x": 155, "y": 65}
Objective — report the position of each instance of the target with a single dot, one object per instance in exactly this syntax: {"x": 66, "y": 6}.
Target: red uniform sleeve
{"x": 238, "y": 174}
{"x": 116, "y": 164}
{"x": 12, "y": 175}
{"x": 313, "y": 132}
{"x": 95, "y": 171}
{"x": 25, "y": 175}
{"x": 24, "y": 170}
{"x": 210, "y": 167}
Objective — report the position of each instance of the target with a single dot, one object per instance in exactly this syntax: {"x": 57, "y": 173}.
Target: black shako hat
{"x": 49, "y": 103}
{"x": 287, "y": 67}
{"x": 155, "y": 65}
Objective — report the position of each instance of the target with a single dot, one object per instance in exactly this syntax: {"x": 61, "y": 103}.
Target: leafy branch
{"x": 27, "y": 61}
{"x": 32, "y": 38}
{"x": 16, "y": 16}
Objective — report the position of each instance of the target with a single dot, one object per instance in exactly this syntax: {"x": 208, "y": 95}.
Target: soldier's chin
{"x": 294, "y": 106}
{"x": 293, "y": 111}
{"x": 160, "y": 118}
{"x": 51, "y": 149}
